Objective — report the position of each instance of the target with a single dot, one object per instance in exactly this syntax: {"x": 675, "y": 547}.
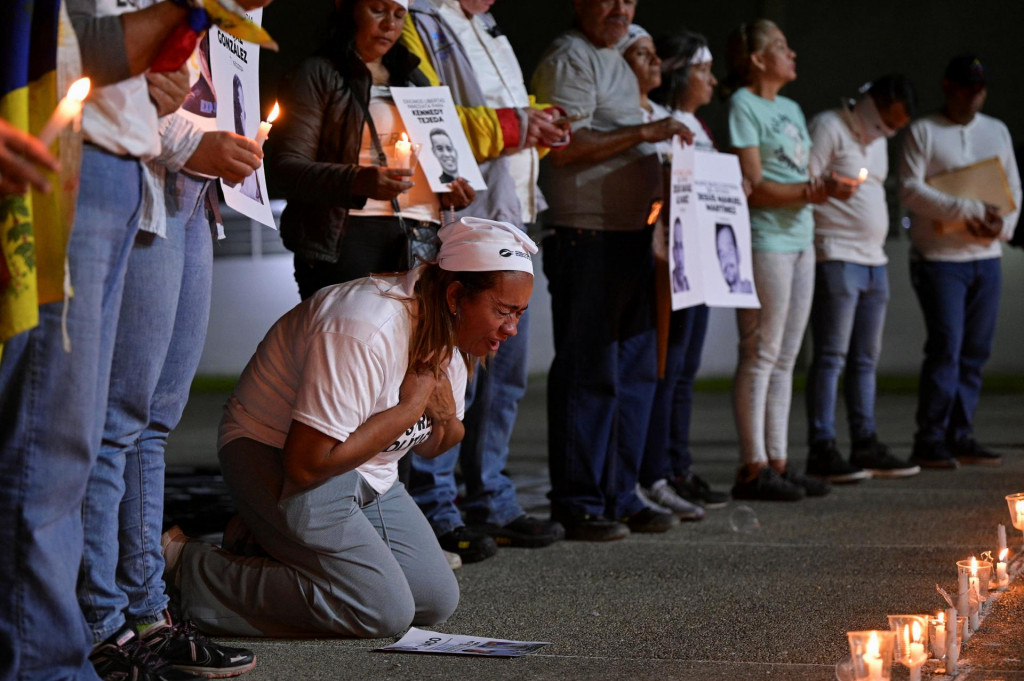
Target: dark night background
{"x": 840, "y": 45}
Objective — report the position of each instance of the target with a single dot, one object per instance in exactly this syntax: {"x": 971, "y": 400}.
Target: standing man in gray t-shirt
{"x": 602, "y": 189}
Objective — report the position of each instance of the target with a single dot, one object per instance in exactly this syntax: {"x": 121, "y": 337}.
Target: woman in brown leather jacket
{"x": 348, "y": 214}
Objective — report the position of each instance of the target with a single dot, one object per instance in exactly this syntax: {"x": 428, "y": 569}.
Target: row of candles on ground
{"x": 69, "y": 110}
{"x": 873, "y": 652}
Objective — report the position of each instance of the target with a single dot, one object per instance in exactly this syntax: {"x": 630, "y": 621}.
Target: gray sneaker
{"x": 662, "y": 496}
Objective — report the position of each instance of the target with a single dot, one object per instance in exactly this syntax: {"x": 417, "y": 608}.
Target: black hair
{"x": 675, "y": 51}
{"x": 894, "y": 88}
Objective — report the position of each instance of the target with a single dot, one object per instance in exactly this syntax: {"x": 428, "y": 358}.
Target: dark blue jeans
{"x": 960, "y": 302}
{"x": 847, "y": 318}
{"x": 602, "y": 380}
{"x": 492, "y": 401}
{"x": 667, "y": 453}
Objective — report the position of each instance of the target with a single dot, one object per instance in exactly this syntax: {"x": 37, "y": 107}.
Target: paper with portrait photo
{"x": 235, "y": 68}
{"x": 431, "y": 120}
{"x": 709, "y": 207}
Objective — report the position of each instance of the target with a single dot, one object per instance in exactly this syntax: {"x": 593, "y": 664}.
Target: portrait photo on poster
{"x": 728, "y": 252}
{"x": 432, "y": 121}
{"x": 680, "y": 283}
{"x": 234, "y": 73}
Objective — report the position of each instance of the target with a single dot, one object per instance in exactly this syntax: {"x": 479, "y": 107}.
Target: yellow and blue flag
{"x": 34, "y": 227}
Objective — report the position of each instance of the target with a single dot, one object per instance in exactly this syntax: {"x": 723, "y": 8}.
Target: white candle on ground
{"x": 916, "y": 653}
{"x": 264, "y": 131}
{"x": 974, "y": 594}
{"x": 872, "y": 660}
{"x": 1001, "y": 534}
{"x": 939, "y": 640}
{"x": 961, "y": 593}
{"x": 952, "y": 645}
{"x": 68, "y": 110}
{"x": 1002, "y": 578}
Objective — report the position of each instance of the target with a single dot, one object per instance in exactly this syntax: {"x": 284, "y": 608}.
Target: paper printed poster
{"x": 423, "y": 641}
{"x": 235, "y": 69}
{"x": 431, "y": 120}
{"x": 709, "y": 231}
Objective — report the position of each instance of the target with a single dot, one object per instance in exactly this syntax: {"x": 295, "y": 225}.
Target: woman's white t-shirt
{"x": 332, "y": 362}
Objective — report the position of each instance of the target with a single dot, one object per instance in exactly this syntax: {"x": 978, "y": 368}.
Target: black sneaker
{"x": 767, "y": 486}
{"x": 933, "y": 455}
{"x": 123, "y": 656}
{"x": 968, "y": 451}
{"x": 813, "y": 487}
{"x": 184, "y": 648}
{"x": 524, "y": 532}
{"x": 692, "y": 488}
{"x": 471, "y": 545}
{"x": 825, "y": 461}
{"x": 587, "y": 527}
{"x": 649, "y": 521}
{"x": 874, "y": 457}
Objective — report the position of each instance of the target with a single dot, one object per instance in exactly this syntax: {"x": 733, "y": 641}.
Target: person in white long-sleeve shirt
{"x": 955, "y": 262}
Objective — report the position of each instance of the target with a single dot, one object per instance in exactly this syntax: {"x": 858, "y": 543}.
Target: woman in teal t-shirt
{"x": 769, "y": 134}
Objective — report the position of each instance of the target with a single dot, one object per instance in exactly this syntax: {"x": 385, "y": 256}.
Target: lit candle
{"x": 915, "y": 651}
{"x": 1002, "y": 579}
{"x": 862, "y": 175}
{"x": 403, "y": 152}
{"x": 69, "y": 109}
{"x": 939, "y": 639}
{"x": 264, "y": 132}
{"x": 974, "y": 594}
{"x": 872, "y": 660}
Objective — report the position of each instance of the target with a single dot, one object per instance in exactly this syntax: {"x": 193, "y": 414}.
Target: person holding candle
{"x": 851, "y": 287}
{"x": 54, "y": 378}
{"x": 460, "y": 45}
{"x": 342, "y": 387}
{"x": 23, "y": 160}
{"x": 768, "y": 133}
{"x": 956, "y": 274}
{"x": 348, "y": 213}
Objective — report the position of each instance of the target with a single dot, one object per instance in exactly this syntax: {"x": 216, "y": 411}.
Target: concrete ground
{"x": 713, "y": 600}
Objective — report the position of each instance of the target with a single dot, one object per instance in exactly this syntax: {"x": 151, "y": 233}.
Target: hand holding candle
{"x": 264, "y": 132}
{"x": 69, "y": 109}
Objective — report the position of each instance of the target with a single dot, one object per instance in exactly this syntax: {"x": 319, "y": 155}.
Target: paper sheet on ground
{"x": 420, "y": 641}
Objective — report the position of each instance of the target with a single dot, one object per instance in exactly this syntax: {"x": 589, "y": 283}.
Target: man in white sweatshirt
{"x": 955, "y": 262}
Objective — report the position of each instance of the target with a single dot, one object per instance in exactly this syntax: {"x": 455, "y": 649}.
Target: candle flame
{"x": 1019, "y": 506}
{"x": 274, "y": 113}
{"x": 872, "y": 646}
{"x": 79, "y": 90}
{"x": 405, "y": 138}
{"x": 1003, "y": 554}
{"x": 974, "y": 566}
{"x": 942, "y": 617}
{"x": 917, "y": 631}
{"x": 863, "y": 174}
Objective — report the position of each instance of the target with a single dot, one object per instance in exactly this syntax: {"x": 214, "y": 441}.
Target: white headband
{"x": 478, "y": 245}
{"x": 633, "y": 33}
{"x": 701, "y": 56}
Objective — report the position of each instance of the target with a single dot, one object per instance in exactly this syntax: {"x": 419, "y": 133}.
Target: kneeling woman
{"x": 339, "y": 390}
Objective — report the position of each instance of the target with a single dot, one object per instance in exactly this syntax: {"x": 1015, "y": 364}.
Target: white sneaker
{"x": 661, "y": 494}
{"x": 454, "y": 560}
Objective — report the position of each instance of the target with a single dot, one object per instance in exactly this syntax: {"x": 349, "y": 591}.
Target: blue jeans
{"x": 667, "y": 452}
{"x": 160, "y": 335}
{"x": 847, "y": 318}
{"x": 492, "y": 401}
{"x": 602, "y": 380}
{"x": 960, "y": 302}
{"x": 51, "y": 416}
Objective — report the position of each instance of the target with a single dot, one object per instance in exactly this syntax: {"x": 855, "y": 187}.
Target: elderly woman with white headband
{"x": 342, "y": 387}
{"x": 675, "y": 78}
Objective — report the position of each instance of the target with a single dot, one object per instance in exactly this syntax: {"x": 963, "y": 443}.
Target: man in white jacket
{"x": 955, "y": 262}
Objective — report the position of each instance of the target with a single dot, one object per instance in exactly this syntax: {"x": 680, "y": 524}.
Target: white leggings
{"x": 769, "y": 342}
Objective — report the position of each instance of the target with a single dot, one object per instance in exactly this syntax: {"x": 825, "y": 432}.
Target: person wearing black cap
{"x": 955, "y": 267}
